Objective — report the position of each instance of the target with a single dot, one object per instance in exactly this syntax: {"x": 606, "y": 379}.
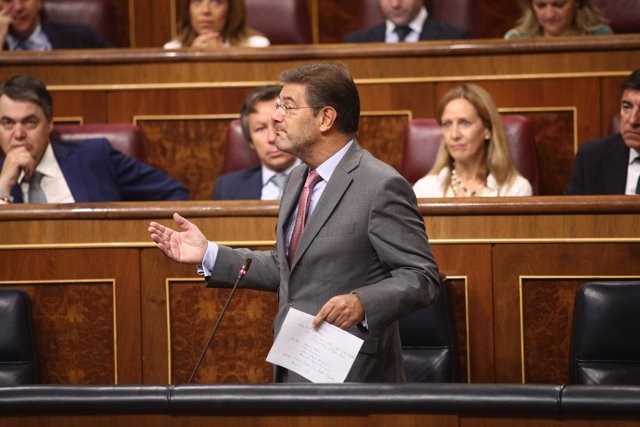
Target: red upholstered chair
{"x": 97, "y": 14}
{"x": 237, "y": 153}
{"x": 623, "y": 15}
{"x": 281, "y": 21}
{"x": 124, "y": 137}
{"x": 423, "y": 138}
{"x": 461, "y": 13}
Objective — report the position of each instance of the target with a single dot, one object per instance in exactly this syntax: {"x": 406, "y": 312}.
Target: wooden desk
{"x": 183, "y": 101}
{"x": 109, "y": 307}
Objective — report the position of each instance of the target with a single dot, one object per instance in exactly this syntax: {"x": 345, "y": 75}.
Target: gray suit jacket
{"x": 366, "y": 236}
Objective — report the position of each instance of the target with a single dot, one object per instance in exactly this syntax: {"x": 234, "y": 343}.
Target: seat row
{"x": 605, "y": 344}
{"x": 294, "y": 26}
{"x": 422, "y": 139}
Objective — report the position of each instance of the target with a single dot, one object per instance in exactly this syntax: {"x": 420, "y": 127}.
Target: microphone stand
{"x": 241, "y": 273}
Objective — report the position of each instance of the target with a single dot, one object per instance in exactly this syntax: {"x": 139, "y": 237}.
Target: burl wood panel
{"x": 383, "y": 136}
{"x": 557, "y": 263}
{"x": 555, "y": 140}
{"x": 73, "y": 294}
{"x": 547, "y": 310}
{"x": 75, "y": 346}
{"x": 238, "y": 351}
{"x": 191, "y": 150}
{"x": 236, "y": 355}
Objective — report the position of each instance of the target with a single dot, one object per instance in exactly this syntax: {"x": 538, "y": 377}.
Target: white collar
{"x": 267, "y": 173}
{"x": 48, "y": 165}
{"x": 416, "y": 24}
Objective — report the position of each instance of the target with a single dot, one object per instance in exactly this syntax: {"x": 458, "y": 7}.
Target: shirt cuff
{"x": 209, "y": 260}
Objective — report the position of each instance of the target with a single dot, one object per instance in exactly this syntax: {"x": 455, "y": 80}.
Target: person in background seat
{"x": 553, "y": 18}
{"x": 210, "y": 24}
{"x": 474, "y": 158}
{"x": 266, "y": 181}
{"x": 23, "y": 26}
{"x": 611, "y": 165}
{"x": 36, "y": 170}
{"x": 406, "y": 21}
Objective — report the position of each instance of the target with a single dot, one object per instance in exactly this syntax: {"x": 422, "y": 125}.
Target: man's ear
{"x": 252, "y": 146}
{"x": 328, "y": 117}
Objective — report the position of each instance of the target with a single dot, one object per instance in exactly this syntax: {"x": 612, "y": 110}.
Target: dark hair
{"x": 260, "y": 94}
{"x": 329, "y": 85}
{"x": 632, "y": 81}
{"x": 24, "y": 87}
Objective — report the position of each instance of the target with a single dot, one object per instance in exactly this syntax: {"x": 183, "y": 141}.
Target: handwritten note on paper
{"x": 323, "y": 355}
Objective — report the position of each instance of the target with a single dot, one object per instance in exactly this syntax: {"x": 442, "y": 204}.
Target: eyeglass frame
{"x": 286, "y": 111}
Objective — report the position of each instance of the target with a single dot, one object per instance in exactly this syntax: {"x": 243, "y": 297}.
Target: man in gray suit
{"x": 363, "y": 260}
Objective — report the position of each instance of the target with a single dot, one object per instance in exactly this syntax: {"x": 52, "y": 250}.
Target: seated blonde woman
{"x": 553, "y": 18}
{"x": 210, "y": 24}
{"x": 474, "y": 158}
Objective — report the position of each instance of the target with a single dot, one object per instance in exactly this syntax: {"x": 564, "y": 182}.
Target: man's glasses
{"x": 287, "y": 110}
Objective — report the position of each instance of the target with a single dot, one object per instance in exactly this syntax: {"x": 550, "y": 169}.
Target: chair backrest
{"x": 614, "y": 124}
{"x": 124, "y": 137}
{"x": 281, "y": 21}
{"x": 429, "y": 342}
{"x": 461, "y": 13}
{"x": 237, "y": 153}
{"x": 605, "y": 337}
{"x": 18, "y": 357}
{"x": 97, "y": 14}
{"x": 423, "y": 138}
{"x": 623, "y": 15}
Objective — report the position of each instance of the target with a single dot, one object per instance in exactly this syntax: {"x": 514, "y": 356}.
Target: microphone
{"x": 241, "y": 273}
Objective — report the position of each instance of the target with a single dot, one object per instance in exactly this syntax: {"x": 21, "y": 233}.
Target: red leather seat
{"x": 97, "y": 14}
{"x": 461, "y": 13}
{"x": 237, "y": 153}
{"x": 281, "y": 21}
{"x": 623, "y": 15}
{"x": 423, "y": 138}
{"x": 124, "y": 137}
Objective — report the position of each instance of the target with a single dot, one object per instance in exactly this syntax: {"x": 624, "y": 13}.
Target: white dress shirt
{"x": 633, "y": 171}
{"x": 416, "y": 28}
{"x": 54, "y": 185}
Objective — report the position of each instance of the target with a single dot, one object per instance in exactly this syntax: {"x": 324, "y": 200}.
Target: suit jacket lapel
{"x": 288, "y": 204}
{"x": 331, "y": 196}
{"x": 617, "y": 165}
{"x": 72, "y": 170}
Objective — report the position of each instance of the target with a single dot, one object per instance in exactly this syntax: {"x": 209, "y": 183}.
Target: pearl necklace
{"x": 459, "y": 189}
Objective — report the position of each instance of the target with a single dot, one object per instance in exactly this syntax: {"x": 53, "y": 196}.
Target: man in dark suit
{"x": 265, "y": 181}
{"x": 36, "y": 170}
{"x": 611, "y": 165}
{"x": 407, "y": 21}
{"x": 23, "y": 27}
{"x": 362, "y": 261}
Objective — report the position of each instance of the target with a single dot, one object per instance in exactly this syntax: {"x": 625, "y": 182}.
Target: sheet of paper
{"x": 324, "y": 355}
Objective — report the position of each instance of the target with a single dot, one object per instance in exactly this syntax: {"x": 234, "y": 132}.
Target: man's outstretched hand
{"x": 188, "y": 246}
